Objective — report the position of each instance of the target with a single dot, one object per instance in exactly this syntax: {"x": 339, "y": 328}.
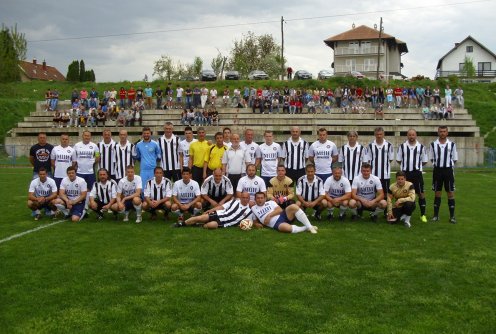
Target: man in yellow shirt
{"x": 197, "y": 152}
{"x": 281, "y": 188}
{"x": 213, "y": 156}
{"x": 401, "y": 200}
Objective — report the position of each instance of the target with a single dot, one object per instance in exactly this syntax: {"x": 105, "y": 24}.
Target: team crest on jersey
{"x": 405, "y": 191}
{"x": 274, "y": 148}
{"x": 76, "y": 185}
{"x": 328, "y": 146}
{"x": 371, "y": 182}
{"x": 91, "y": 147}
{"x": 341, "y": 185}
{"x": 255, "y": 183}
{"x": 252, "y": 148}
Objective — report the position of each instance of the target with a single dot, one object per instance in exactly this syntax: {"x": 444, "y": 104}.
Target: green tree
{"x": 217, "y": 63}
{"x": 468, "y": 68}
{"x": 164, "y": 68}
{"x": 73, "y": 71}
{"x": 9, "y": 59}
{"x": 82, "y": 71}
{"x": 197, "y": 66}
{"x": 20, "y": 43}
{"x": 90, "y": 76}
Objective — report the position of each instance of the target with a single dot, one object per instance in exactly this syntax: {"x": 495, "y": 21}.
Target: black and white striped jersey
{"x": 123, "y": 156}
{"x": 351, "y": 158}
{"x": 411, "y": 157}
{"x": 233, "y": 213}
{"x": 310, "y": 190}
{"x": 107, "y": 157}
{"x": 104, "y": 192}
{"x": 214, "y": 190}
{"x": 443, "y": 155}
{"x": 170, "y": 152}
{"x": 158, "y": 191}
{"x": 380, "y": 157}
{"x": 295, "y": 154}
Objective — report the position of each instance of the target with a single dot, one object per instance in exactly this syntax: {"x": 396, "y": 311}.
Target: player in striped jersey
{"x": 169, "y": 146}
{"x": 367, "y": 194}
{"x": 249, "y": 145}
{"x": 129, "y": 194}
{"x": 62, "y": 157}
{"x": 351, "y": 156}
{"x": 72, "y": 195}
{"x": 185, "y": 197}
{"x": 158, "y": 192}
{"x": 251, "y": 183}
{"x": 268, "y": 156}
{"x": 123, "y": 155}
{"x": 338, "y": 192}
{"x": 103, "y": 195}
{"x": 42, "y": 193}
{"x": 412, "y": 156}
{"x": 269, "y": 214}
{"x": 443, "y": 155}
{"x": 228, "y": 214}
{"x": 107, "y": 155}
{"x": 184, "y": 147}
{"x": 310, "y": 192}
{"x": 323, "y": 153}
{"x": 379, "y": 154}
{"x": 295, "y": 154}
{"x": 216, "y": 190}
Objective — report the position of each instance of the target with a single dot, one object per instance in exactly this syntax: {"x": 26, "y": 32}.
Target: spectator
{"x": 447, "y": 95}
{"x": 131, "y": 96}
{"x": 48, "y": 99}
{"x": 65, "y": 116}
{"x": 74, "y": 117}
{"x": 159, "y": 94}
{"x": 204, "y": 97}
{"x": 289, "y": 70}
{"x": 225, "y": 97}
{"x": 437, "y": 96}
{"x": 74, "y": 95}
{"x": 100, "y": 118}
{"x": 425, "y": 112}
{"x": 148, "y": 96}
{"x": 379, "y": 111}
{"x": 179, "y": 97}
{"x": 57, "y": 120}
{"x": 140, "y": 96}
{"x": 188, "y": 93}
{"x": 460, "y": 101}
{"x": 196, "y": 97}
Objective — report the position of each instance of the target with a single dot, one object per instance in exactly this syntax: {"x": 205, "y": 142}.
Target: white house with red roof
{"x": 34, "y": 71}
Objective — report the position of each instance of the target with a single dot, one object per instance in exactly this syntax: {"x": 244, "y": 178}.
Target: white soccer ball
{"x": 246, "y": 224}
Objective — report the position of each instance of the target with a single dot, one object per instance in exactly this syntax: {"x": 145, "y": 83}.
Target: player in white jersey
{"x": 249, "y": 145}
{"x": 251, "y": 183}
{"x": 123, "y": 155}
{"x": 310, "y": 192}
{"x": 103, "y": 195}
{"x": 367, "y": 194}
{"x": 129, "y": 195}
{"x": 107, "y": 155}
{"x": 322, "y": 154}
{"x": 185, "y": 196}
{"x": 62, "y": 156}
{"x": 72, "y": 195}
{"x": 228, "y": 214}
{"x": 158, "y": 192}
{"x": 268, "y": 156}
{"x": 184, "y": 147}
{"x": 42, "y": 193}
{"x": 87, "y": 154}
{"x": 270, "y": 214}
{"x": 338, "y": 192}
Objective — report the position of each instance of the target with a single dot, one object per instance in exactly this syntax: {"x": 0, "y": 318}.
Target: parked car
{"x": 258, "y": 75}
{"x": 208, "y": 75}
{"x": 324, "y": 74}
{"x": 302, "y": 75}
{"x": 355, "y": 74}
{"x": 231, "y": 75}
{"x": 189, "y": 78}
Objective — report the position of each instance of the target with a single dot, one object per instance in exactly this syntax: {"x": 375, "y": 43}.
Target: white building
{"x": 484, "y": 61}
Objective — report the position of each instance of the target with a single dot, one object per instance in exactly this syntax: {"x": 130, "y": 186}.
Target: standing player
{"x": 123, "y": 155}
{"x": 158, "y": 192}
{"x": 62, "y": 157}
{"x": 310, "y": 192}
{"x": 87, "y": 154}
{"x": 184, "y": 147}
{"x": 104, "y": 194}
{"x": 39, "y": 155}
{"x": 402, "y": 193}
{"x": 42, "y": 194}
{"x": 148, "y": 154}
{"x": 213, "y": 156}
{"x": 367, "y": 194}
{"x": 295, "y": 154}
{"x": 412, "y": 156}
{"x": 235, "y": 160}
{"x": 107, "y": 153}
{"x": 129, "y": 195}
{"x": 281, "y": 188}
{"x": 338, "y": 192}
{"x": 185, "y": 197}
{"x": 351, "y": 156}
{"x": 169, "y": 148}
{"x": 268, "y": 156}
{"x": 249, "y": 145}
{"x": 379, "y": 154}
{"x": 269, "y": 214}
{"x": 197, "y": 152}
{"x": 443, "y": 155}
{"x": 216, "y": 190}
{"x": 323, "y": 153}
{"x": 251, "y": 183}
{"x": 72, "y": 195}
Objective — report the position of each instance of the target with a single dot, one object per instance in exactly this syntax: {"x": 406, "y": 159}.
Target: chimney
{"x": 456, "y": 45}
{"x": 34, "y": 61}
{"x": 44, "y": 65}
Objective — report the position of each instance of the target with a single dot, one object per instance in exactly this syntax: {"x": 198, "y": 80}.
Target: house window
{"x": 461, "y": 67}
{"x": 484, "y": 66}
{"x": 470, "y": 48}
{"x": 353, "y": 47}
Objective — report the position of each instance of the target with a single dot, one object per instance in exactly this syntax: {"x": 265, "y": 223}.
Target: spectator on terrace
{"x": 427, "y": 96}
{"x": 449, "y": 112}
{"x": 83, "y": 118}
{"x": 397, "y": 92}
{"x": 374, "y": 96}
{"x": 74, "y": 95}
{"x": 129, "y": 118}
{"x": 299, "y": 106}
{"x": 275, "y": 105}
{"x": 433, "y": 112}
{"x": 137, "y": 117}
{"x": 140, "y": 96}
{"x": 436, "y": 94}
{"x": 122, "y": 97}
{"x": 213, "y": 96}
{"x": 311, "y": 107}
{"x": 148, "y": 96}
{"x": 92, "y": 118}
{"x": 426, "y": 112}
{"x": 204, "y": 97}
{"x": 188, "y": 94}
{"x": 131, "y": 96}
{"x": 285, "y": 104}
{"x": 441, "y": 113}
{"x": 225, "y": 97}
{"x": 420, "y": 96}
{"x": 100, "y": 118}
{"x": 338, "y": 95}
{"x": 159, "y": 95}
{"x": 48, "y": 99}
{"x": 327, "y": 107}
{"x": 459, "y": 97}
{"x": 65, "y": 116}
{"x": 196, "y": 97}
{"x": 75, "y": 104}
{"x": 54, "y": 99}
{"x": 257, "y": 103}
{"x": 74, "y": 117}
{"x": 57, "y": 120}
{"x": 236, "y": 99}
{"x": 379, "y": 111}
{"x": 214, "y": 115}
{"x": 111, "y": 105}
{"x": 447, "y": 95}
{"x": 381, "y": 95}
{"x": 121, "y": 118}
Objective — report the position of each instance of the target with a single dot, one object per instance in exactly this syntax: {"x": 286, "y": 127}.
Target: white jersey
{"x": 251, "y": 186}
{"x": 42, "y": 189}
{"x": 107, "y": 156}
{"x": 260, "y": 212}
{"x": 104, "y": 192}
{"x": 127, "y": 188}
{"x": 322, "y": 154}
{"x": 269, "y": 155}
{"x": 185, "y": 193}
{"x": 73, "y": 189}
{"x": 158, "y": 191}
{"x": 251, "y": 149}
{"x": 184, "y": 150}
{"x": 337, "y": 188}
{"x": 63, "y": 158}
{"x": 367, "y": 188}
{"x": 85, "y": 157}
{"x": 235, "y": 160}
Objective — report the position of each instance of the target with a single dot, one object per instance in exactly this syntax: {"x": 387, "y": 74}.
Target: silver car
{"x": 258, "y": 75}
{"x": 324, "y": 74}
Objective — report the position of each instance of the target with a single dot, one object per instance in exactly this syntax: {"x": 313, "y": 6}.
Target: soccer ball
{"x": 246, "y": 224}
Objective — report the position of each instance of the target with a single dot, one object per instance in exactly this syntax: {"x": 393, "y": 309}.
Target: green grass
{"x": 116, "y": 277}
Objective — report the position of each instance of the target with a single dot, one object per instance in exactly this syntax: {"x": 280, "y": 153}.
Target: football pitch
{"x": 360, "y": 277}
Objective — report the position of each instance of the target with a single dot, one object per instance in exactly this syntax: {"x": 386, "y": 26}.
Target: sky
{"x": 200, "y": 28}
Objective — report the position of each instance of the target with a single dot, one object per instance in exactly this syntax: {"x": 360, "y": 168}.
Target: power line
{"x": 259, "y": 22}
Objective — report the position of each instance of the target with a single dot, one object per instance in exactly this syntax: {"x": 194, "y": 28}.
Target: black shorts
{"x": 385, "y": 186}
{"x": 443, "y": 177}
{"x": 212, "y": 217}
{"x": 295, "y": 174}
{"x": 173, "y": 175}
{"x": 160, "y": 207}
{"x": 416, "y": 178}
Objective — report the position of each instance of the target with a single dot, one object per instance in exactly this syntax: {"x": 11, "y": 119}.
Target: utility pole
{"x": 379, "y": 50}
{"x": 282, "y": 47}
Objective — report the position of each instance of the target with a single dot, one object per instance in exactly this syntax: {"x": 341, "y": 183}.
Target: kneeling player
{"x": 402, "y": 193}
{"x": 338, "y": 192}
{"x": 103, "y": 195}
{"x": 42, "y": 193}
{"x": 185, "y": 196}
{"x": 310, "y": 192}
{"x": 72, "y": 195}
{"x": 129, "y": 195}
{"x": 268, "y": 213}
{"x": 228, "y": 214}
{"x": 367, "y": 194}
{"x": 158, "y": 192}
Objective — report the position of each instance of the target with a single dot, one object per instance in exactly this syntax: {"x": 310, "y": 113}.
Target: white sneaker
{"x": 126, "y": 217}
{"x": 138, "y": 219}
{"x": 315, "y": 227}
{"x": 407, "y": 224}
{"x": 313, "y": 230}
{"x": 402, "y": 218}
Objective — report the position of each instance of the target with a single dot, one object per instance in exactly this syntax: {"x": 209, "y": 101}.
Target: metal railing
{"x": 357, "y": 67}
{"x": 342, "y": 51}
{"x": 481, "y": 73}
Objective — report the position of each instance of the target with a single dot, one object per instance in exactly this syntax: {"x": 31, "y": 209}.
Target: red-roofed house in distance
{"x": 34, "y": 71}
{"x": 357, "y": 50}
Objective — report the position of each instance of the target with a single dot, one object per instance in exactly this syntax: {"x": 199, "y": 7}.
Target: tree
{"x": 73, "y": 71}
{"x": 90, "y": 76}
{"x": 9, "y": 59}
{"x": 217, "y": 63}
{"x": 82, "y": 71}
{"x": 197, "y": 66}
{"x": 468, "y": 68}
{"x": 20, "y": 43}
{"x": 164, "y": 68}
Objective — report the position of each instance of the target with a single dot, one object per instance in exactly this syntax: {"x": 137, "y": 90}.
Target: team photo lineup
{"x": 230, "y": 180}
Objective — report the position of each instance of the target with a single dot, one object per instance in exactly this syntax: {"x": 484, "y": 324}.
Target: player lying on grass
{"x": 42, "y": 194}
{"x": 103, "y": 196}
{"x": 228, "y": 214}
{"x": 72, "y": 195}
{"x": 129, "y": 195}
{"x": 158, "y": 192}
{"x": 269, "y": 214}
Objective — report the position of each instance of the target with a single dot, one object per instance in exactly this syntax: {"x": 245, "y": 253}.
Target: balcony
{"x": 477, "y": 74}
{"x": 357, "y": 67}
{"x": 357, "y": 51}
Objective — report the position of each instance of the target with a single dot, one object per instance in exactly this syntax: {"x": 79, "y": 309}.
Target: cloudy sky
{"x": 430, "y": 29}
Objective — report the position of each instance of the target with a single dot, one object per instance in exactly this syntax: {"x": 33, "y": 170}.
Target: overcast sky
{"x": 429, "y": 32}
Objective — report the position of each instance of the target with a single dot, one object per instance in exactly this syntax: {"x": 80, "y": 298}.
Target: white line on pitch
{"x": 18, "y": 235}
